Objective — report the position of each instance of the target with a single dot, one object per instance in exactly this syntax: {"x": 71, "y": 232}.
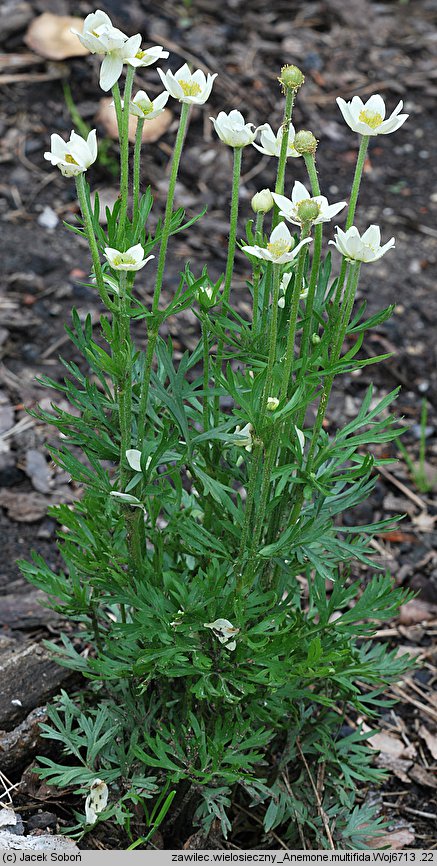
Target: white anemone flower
{"x": 74, "y": 156}
{"x": 290, "y": 209}
{"x": 147, "y": 56}
{"x": 233, "y": 130}
{"x": 131, "y": 260}
{"x": 245, "y": 436}
{"x": 101, "y": 37}
{"x": 96, "y": 801}
{"x": 369, "y": 118}
{"x": 186, "y": 86}
{"x": 95, "y": 25}
{"x": 271, "y": 144}
{"x": 224, "y": 632}
{"x": 114, "y": 59}
{"x": 283, "y": 286}
{"x": 361, "y": 248}
{"x": 145, "y": 108}
{"x": 279, "y": 249}
{"x": 133, "y": 457}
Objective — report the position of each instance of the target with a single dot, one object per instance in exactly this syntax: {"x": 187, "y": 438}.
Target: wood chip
{"x": 50, "y": 36}
{"x": 430, "y": 740}
{"x": 417, "y": 611}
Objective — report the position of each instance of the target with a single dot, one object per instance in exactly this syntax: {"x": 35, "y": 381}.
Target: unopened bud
{"x": 308, "y": 210}
{"x": 305, "y": 142}
{"x": 262, "y": 201}
{"x": 315, "y": 339}
{"x": 291, "y": 78}
{"x": 272, "y": 404}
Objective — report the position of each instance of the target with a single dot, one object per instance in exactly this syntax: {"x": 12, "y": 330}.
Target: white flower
{"x": 364, "y": 248}
{"x": 74, "y": 156}
{"x": 245, "y": 436}
{"x": 96, "y": 801}
{"x": 133, "y": 457}
{"x": 131, "y": 260}
{"x": 368, "y": 118}
{"x": 271, "y": 143}
{"x": 100, "y": 37}
{"x": 114, "y": 58}
{"x": 233, "y": 130}
{"x": 186, "y": 86}
{"x": 283, "y": 286}
{"x": 293, "y": 211}
{"x": 145, "y": 108}
{"x": 279, "y": 248}
{"x": 95, "y": 25}
{"x": 224, "y": 631}
{"x": 145, "y": 57}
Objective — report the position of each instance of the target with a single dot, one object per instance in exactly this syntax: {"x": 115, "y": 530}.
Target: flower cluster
{"x": 101, "y": 37}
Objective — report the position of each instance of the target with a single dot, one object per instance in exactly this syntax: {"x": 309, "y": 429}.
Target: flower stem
{"x": 137, "y": 158}
{"x": 253, "y": 477}
{"x": 89, "y": 228}
{"x": 153, "y": 328}
{"x": 185, "y": 110}
{"x": 124, "y": 156}
{"x": 118, "y": 108}
{"x": 124, "y": 384}
{"x": 257, "y": 271}
{"x": 317, "y": 250}
{"x": 297, "y": 288}
{"x": 229, "y": 262}
{"x": 273, "y": 337}
{"x": 152, "y": 336}
{"x": 256, "y": 460}
{"x": 364, "y": 144}
{"x": 205, "y": 340}
{"x": 282, "y": 161}
{"x": 351, "y": 288}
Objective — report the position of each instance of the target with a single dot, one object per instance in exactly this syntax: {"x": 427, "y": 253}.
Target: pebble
{"x": 48, "y": 219}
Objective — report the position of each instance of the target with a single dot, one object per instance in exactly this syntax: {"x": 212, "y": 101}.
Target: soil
{"x": 344, "y": 49}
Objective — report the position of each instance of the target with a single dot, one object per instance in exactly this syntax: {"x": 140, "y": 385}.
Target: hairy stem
{"x": 124, "y": 153}
{"x": 185, "y": 110}
{"x": 89, "y": 229}
{"x": 137, "y": 159}
{"x": 229, "y": 262}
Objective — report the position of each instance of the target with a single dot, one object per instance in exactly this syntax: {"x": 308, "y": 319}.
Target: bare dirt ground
{"x": 344, "y": 49}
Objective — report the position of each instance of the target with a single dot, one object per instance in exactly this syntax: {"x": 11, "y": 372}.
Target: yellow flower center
{"x": 69, "y": 158}
{"x": 145, "y": 106}
{"x": 140, "y": 55}
{"x": 124, "y": 259}
{"x": 372, "y": 118}
{"x": 278, "y": 248}
{"x": 190, "y": 88}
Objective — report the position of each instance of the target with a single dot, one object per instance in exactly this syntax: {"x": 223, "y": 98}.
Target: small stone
{"x": 48, "y": 219}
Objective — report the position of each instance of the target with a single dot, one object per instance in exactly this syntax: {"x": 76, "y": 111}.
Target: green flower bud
{"x": 272, "y": 404}
{"x": 262, "y": 201}
{"x": 305, "y": 142}
{"x": 291, "y": 78}
{"x": 308, "y": 210}
{"x": 206, "y": 296}
{"x": 315, "y": 339}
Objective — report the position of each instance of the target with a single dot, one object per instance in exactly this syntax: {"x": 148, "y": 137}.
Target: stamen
{"x": 372, "y": 118}
{"x": 190, "y": 88}
{"x": 69, "y": 158}
{"x": 278, "y": 248}
{"x": 145, "y": 106}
